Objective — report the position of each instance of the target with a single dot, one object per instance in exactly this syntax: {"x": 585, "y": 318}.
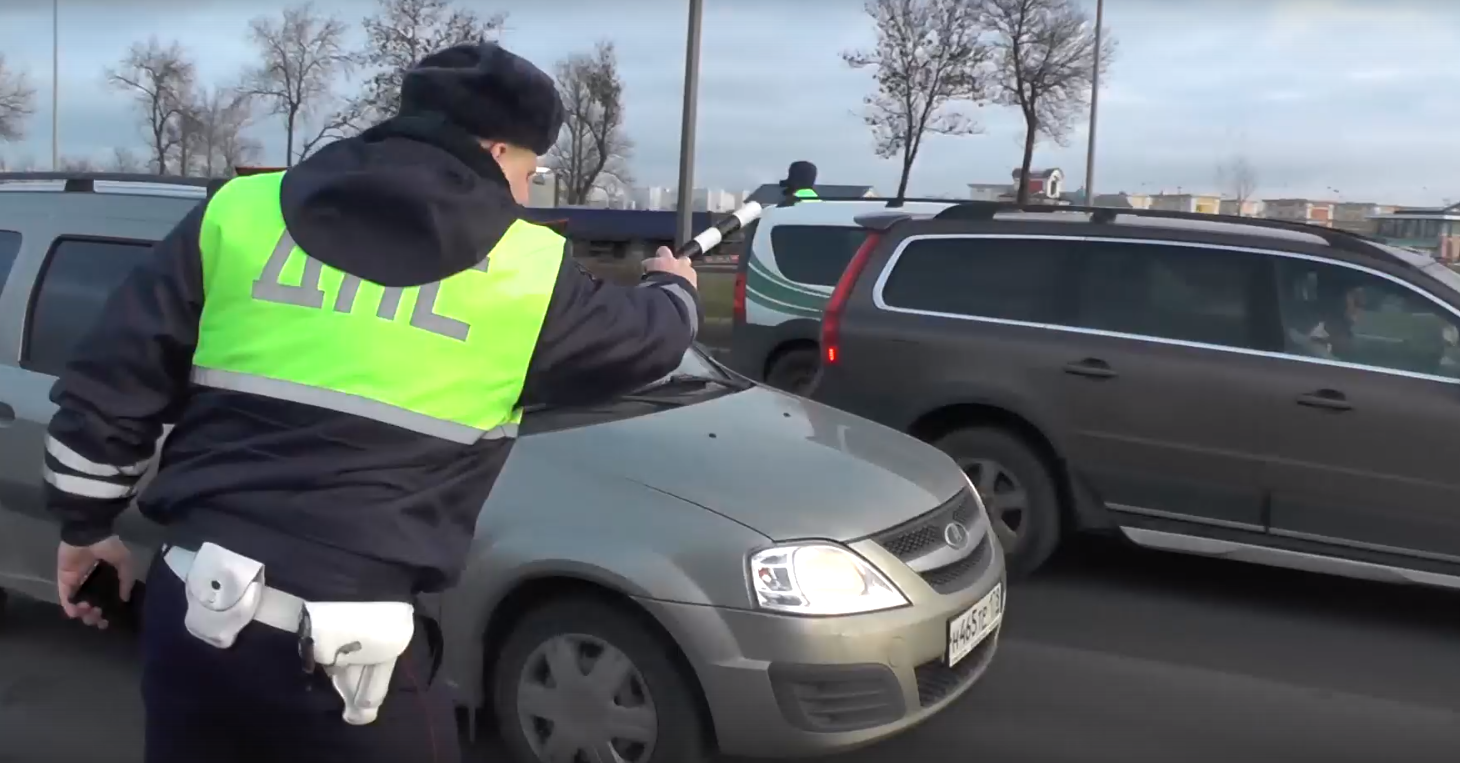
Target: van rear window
{"x": 9, "y": 251}
{"x": 815, "y": 254}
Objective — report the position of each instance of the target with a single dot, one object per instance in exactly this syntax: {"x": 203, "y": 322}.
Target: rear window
{"x": 815, "y": 254}
{"x": 981, "y": 277}
{"x": 78, "y": 277}
{"x": 9, "y": 250}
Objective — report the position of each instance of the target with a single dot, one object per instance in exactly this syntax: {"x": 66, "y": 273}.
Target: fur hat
{"x": 491, "y": 93}
{"x": 799, "y": 175}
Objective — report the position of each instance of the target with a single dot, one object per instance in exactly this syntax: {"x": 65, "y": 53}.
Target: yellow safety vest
{"x": 806, "y": 194}
{"x": 446, "y": 359}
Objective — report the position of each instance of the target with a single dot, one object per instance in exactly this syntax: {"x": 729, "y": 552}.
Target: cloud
{"x": 1317, "y": 94}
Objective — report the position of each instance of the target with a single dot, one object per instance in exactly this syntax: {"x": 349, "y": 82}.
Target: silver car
{"x": 705, "y": 565}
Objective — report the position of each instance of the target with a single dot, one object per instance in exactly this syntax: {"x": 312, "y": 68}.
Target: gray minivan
{"x": 734, "y": 568}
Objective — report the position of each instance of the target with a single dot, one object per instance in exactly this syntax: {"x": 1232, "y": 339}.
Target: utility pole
{"x": 684, "y": 215}
{"x": 55, "y": 85}
{"x": 1094, "y": 107}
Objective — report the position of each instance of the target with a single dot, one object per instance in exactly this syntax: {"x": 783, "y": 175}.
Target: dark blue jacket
{"x": 333, "y": 504}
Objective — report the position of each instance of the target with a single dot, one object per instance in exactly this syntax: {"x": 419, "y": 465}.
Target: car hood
{"x": 786, "y": 467}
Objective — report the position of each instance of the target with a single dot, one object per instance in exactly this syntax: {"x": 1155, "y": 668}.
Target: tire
{"x": 794, "y": 370}
{"x": 1029, "y": 545}
{"x": 679, "y": 730}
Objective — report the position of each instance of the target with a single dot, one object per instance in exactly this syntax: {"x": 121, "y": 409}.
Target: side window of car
{"x": 9, "y": 251}
{"x": 78, "y": 277}
{"x": 1339, "y": 313}
{"x": 815, "y": 254}
{"x": 1165, "y": 291}
{"x": 1007, "y": 279}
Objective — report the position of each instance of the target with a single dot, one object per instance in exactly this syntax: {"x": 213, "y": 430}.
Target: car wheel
{"x": 1018, "y": 490}
{"x": 794, "y": 370}
{"x": 581, "y": 680}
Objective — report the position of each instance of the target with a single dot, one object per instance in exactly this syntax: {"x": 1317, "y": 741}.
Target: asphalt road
{"x": 1111, "y": 655}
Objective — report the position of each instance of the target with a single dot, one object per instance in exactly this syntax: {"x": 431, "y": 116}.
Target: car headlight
{"x": 820, "y": 578}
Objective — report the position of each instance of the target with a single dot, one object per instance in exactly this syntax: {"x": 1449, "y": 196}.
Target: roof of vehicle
{"x": 108, "y": 182}
{"x": 1264, "y": 231}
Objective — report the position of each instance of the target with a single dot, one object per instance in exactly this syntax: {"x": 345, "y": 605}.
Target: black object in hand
{"x": 102, "y": 589}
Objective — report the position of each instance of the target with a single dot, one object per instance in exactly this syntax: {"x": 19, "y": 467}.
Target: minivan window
{"x": 75, "y": 284}
{"x": 1017, "y": 280}
{"x": 9, "y": 250}
{"x": 1339, "y": 313}
{"x": 815, "y": 254}
{"x": 1171, "y": 292}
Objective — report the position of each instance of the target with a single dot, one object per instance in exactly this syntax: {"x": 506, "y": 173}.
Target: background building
{"x": 1434, "y": 230}
{"x": 1300, "y": 210}
{"x": 1205, "y": 204}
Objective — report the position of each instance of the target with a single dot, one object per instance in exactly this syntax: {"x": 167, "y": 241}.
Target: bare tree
{"x": 397, "y": 35}
{"x": 929, "y": 55}
{"x": 159, "y": 80}
{"x": 26, "y": 163}
{"x": 214, "y": 122}
{"x": 78, "y": 164}
{"x": 302, "y": 55}
{"x": 592, "y": 151}
{"x": 17, "y": 102}
{"x": 125, "y": 160}
{"x": 1238, "y": 180}
{"x": 1046, "y": 62}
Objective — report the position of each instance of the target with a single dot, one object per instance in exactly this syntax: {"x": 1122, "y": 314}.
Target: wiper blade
{"x": 681, "y": 379}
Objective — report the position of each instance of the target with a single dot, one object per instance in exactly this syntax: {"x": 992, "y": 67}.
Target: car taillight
{"x": 738, "y": 301}
{"x": 832, "y": 318}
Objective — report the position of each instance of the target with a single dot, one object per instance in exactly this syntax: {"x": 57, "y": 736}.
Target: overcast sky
{"x": 1326, "y": 98}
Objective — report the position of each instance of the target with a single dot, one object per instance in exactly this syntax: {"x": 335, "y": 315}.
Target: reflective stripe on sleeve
{"x": 344, "y": 402}
{"x": 86, "y": 487}
{"x": 679, "y": 293}
{"x": 77, "y": 462}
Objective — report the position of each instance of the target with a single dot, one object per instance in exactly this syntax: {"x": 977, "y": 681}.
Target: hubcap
{"x": 580, "y": 700}
{"x": 1004, "y": 497}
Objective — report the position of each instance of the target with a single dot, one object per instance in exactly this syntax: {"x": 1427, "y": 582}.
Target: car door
{"x": 1157, "y": 382}
{"x": 1364, "y": 429}
{"x": 79, "y": 271}
{"x": 25, "y": 538}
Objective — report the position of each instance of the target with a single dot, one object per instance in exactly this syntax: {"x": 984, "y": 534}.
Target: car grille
{"x": 827, "y": 698}
{"x": 937, "y": 681}
{"x": 924, "y": 535}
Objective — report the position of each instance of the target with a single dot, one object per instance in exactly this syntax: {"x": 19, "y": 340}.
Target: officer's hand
{"x": 664, "y": 261}
{"x": 74, "y": 562}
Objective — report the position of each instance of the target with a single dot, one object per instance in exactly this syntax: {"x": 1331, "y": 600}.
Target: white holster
{"x": 358, "y": 644}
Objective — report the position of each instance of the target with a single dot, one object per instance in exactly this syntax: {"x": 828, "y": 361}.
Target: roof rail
{"x": 1334, "y": 237}
{"x": 895, "y": 201}
{"x": 83, "y": 180}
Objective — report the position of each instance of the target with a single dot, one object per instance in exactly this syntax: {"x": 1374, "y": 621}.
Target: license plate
{"x": 970, "y": 628}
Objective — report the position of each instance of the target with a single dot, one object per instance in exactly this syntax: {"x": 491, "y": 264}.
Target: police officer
{"x": 800, "y": 182}
{"x": 344, "y": 349}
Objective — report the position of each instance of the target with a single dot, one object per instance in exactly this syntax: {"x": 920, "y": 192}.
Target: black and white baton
{"x": 711, "y": 237}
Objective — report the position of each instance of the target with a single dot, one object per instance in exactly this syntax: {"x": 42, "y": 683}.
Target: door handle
{"x": 1327, "y": 399}
{"x": 7, "y": 415}
{"x": 1094, "y": 368}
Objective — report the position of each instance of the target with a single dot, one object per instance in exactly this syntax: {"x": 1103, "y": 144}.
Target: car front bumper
{"x": 785, "y": 686}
